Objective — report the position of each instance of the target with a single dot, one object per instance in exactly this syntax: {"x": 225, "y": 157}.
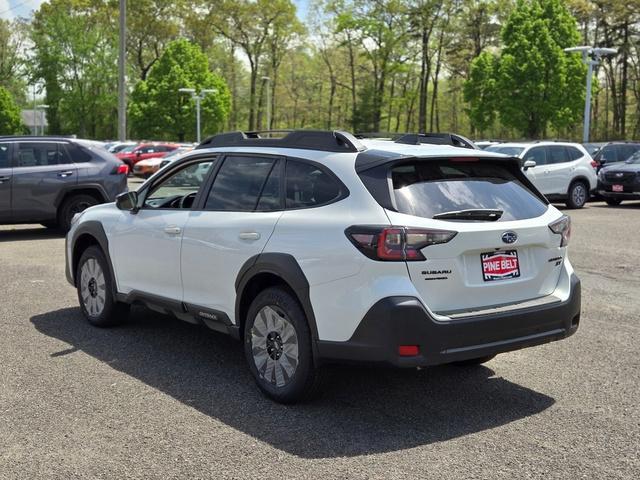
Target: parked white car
{"x": 318, "y": 248}
{"x": 562, "y": 171}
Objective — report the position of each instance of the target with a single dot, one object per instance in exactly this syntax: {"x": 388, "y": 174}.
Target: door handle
{"x": 65, "y": 174}
{"x": 172, "y": 230}
{"x": 249, "y": 236}
{"x": 4, "y": 179}
{"x": 547, "y": 171}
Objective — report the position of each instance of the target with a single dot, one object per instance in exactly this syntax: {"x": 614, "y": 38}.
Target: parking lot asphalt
{"x": 158, "y": 398}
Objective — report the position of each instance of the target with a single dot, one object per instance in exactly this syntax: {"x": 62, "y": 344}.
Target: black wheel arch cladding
{"x": 285, "y": 267}
{"x": 91, "y": 230}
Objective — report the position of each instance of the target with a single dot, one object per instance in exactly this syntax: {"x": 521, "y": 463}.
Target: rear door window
{"x": 431, "y": 187}
{"x": 574, "y": 153}
{"x": 240, "y": 183}
{"x": 557, "y": 154}
{"x": 308, "y": 185}
{"x": 39, "y": 154}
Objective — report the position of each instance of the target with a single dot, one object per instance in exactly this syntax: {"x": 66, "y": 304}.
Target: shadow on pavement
{"x": 362, "y": 410}
{"x": 31, "y": 233}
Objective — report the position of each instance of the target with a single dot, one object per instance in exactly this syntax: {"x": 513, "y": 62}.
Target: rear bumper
{"x": 395, "y": 321}
{"x": 620, "y": 195}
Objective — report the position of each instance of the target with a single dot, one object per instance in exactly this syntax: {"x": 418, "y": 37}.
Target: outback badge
{"x": 509, "y": 237}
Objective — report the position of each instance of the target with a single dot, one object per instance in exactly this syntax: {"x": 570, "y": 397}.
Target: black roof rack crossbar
{"x": 436, "y": 139}
{"x": 323, "y": 140}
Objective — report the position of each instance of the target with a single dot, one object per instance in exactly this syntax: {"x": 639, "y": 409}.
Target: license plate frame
{"x": 500, "y": 265}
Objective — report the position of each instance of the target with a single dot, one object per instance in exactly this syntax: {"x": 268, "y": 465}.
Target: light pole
{"x": 590, "y": 56}
{"x": 122, "y": 79}
{"x": 198, "y": 98}
{"x": 266, "y": 81}
{"x": 40, "y": 109}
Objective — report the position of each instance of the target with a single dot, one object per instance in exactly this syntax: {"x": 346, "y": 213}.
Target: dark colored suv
{"x": 48, "y": 180}
{"x": 615, "y": 152}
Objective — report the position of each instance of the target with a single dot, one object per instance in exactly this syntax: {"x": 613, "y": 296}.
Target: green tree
{"x": 11, "y": 43}
{"x": 252, "y": 26}
{"x": 481, "y": 92}
{"x": 10, "y": 120}
{"x": 151, "y": 25}
{"x": 74, "y": 53}
{"x": 539, "y": 84}
{"x": 157, "y": 110}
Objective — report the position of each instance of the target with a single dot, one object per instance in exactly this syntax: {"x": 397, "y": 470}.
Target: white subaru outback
{"x": 317, "y": 247}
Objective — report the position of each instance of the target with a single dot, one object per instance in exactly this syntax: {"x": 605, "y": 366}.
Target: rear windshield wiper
{"x": 471, "y": 214}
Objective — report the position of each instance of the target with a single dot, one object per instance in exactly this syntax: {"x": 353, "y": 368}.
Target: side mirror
{"x": 528, "y": 164}
{"x": 127, "y": 201}
{"x": 138, "y": 153}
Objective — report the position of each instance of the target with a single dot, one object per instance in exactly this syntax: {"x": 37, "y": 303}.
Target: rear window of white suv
{"x": 435, "y": 188}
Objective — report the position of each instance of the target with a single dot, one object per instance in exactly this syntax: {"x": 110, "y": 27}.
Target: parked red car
{"x": 144, "y": 151}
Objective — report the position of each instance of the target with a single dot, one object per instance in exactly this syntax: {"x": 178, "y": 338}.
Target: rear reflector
{"x": 122, "y": 169}
{"x": 408, "y": 350}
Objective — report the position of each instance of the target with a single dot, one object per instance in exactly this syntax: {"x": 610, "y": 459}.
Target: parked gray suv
{"x": 48, "y": 180}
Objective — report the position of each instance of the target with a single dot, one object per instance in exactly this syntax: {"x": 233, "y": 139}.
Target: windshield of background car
{"x": 427, "y": 188}
{"x": 511, "y": 151}
{"x": 128, "y": 149}
{"x": 635, "y": 158}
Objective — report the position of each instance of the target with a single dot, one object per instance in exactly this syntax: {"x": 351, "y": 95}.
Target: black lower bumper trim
{"x": 395, "y": 321}
{"x": 620, "y": 195}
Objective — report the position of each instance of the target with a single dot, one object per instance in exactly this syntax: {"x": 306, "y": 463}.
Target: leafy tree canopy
{"x": 532, "y": 83}
{"x": 10, "y": 120}
{"x": 158, "y": 110}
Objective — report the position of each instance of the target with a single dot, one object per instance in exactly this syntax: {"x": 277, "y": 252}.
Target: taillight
{"x": 562, "y": 226}
{"x": 122, "y": 169}
{"x": 595, "y": 164}
{"x": 395, "y": 243}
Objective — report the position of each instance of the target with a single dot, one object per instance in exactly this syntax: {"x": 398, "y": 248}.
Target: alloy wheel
{"x": 274, "y": 346}
{"x": 93, "y": 288}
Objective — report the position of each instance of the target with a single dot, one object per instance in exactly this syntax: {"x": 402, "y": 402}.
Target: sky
{"x": 10, "y": 9}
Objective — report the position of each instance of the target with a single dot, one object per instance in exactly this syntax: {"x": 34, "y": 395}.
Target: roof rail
{"x": 437, "y": 139}
{"x": 324, "y": 140}
{"x": 378, "y": 135}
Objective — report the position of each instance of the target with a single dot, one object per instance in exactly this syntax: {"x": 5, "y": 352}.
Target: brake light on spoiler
{"x": 391, "y": 243}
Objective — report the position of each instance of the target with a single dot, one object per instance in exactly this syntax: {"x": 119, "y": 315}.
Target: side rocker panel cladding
{"x": 284, "y": 266}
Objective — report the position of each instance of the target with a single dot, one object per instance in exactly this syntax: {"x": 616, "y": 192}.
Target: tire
{"x": 577, "y": 195}
{"x": 95, "y": 286}
{"x": 613, "y": 202}
{"x": 277, "y": 346}
{"x": 71, "y": 206}
{"x": 474, "y": 361}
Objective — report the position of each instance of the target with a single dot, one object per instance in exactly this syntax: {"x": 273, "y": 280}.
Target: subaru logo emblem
{"x": 619, "y": 174}
{"x": 509, "y": 237}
